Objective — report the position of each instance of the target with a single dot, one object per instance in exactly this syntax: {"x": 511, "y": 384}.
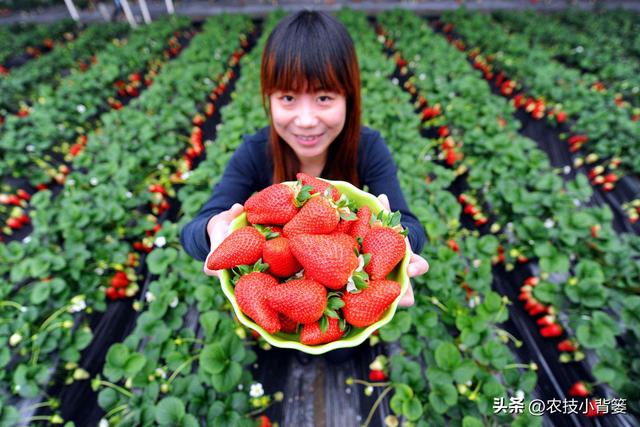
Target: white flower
{"x": 174, "y": 303}
{"x": 30, "y": 148}
{"x": 161, "y": 166}
{"x": 240, "y": 386}
{"x": 474, "y": 301}
{"x": 186, "y": 175}
{"x": 476, "y": 263}
{"x": 381, "y": 38}
{"x": 216, "y": 55}
{"x": 579, "y": 49}
{"x": 81, "y": 108}
{"x": 167, "y": 157}
{"x": 128, "y": 194}
{"x": 566, "y": 170}
{"x": 422, "y": 76}
{"x": 207, "y": 81}
{"x": 103, "y": 423}
{"x": 160, "y": 241}
{"x": 15, "y": 339}
{"x": 26, "y": 239}
{"x": 219, "y": 126}
{"x": 99, "y": 271}
{"x": 378, "y": 73}
{"x": 77, "y": 304}
{"x": 71, "y": 182}
{"x": 520, "y": 394}
{"x": 549, "y": 223}
{"x": 161, "y": 373}
{"x": 427, "y": 158}
{"x": 256, "y": 390}
{"x": 395, "y": 81}
{"x": 93, "y": 181}
{"x": 576, "y": 202}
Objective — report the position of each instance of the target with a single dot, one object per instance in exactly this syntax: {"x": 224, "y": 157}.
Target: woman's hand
{"x": 417, "y": 265}
{"x": 218, "y": 229}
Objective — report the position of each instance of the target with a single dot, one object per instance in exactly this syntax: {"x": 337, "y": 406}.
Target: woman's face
{"x": 308, "y": 121}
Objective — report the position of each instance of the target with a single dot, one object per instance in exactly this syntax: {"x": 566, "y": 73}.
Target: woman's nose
{"x": 306, "y": 116}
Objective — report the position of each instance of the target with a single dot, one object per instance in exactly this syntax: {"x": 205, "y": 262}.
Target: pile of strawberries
{"x": 312, "y": 262}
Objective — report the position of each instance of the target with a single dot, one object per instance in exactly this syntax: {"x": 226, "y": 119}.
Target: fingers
{"x": 385, "y": 201}
{"x": 407, "y": 299}
{"x": 417, "y": 266}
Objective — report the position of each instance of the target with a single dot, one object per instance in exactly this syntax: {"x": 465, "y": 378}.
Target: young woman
{"x": 311, "y": 91}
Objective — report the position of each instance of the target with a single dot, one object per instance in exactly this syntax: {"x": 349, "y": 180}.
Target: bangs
{"x": 306, "y": 60}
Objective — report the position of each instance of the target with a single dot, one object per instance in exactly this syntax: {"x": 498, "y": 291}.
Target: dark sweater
{"x": 250, "y": 170}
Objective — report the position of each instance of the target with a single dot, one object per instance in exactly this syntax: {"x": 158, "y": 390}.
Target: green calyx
{"x": 266, "y": 231}
{"x": 391, "y": 220}
{"x": 244, "y": 269}
{"x": 303, "y": 194}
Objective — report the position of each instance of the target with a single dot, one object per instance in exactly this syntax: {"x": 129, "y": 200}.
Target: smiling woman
{"x": 311, "y": 92}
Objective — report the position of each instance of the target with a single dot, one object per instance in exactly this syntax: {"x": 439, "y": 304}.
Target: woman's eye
{"x": 324, "y": 98}
{"x": 287, "y": 98}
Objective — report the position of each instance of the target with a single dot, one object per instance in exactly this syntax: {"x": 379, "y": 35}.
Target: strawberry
{"x": 276, "y": 204}
{"x": 551, "y": 331}
{"x": 366, "y": 307}
{"x": 349, "y": 241}
{"x": 302, "y": 300}
{"x": 24, "y": 219}
{"x": 112, "y": 293}
{"x": 592, "y": 409}
{"x": 277, "y": 253}
{"x": 325, "y": 258}
{"x": 547, "y": 320}
{"x": 119, "y": 280}
{"x": 243, "y": 246}
{"x": 317, "y": 216}
{"x": 251, "y": 295}
{"x": 361, "y": 225}
{"x": 14, "y": 223}
{"x": 264, "y": 421}
{"x": 23, "y": 195}
{"x": 287, "y": 325}
{"x": 385, "y": 245}
{"x": 561, "y": 117}
{"x": 312, "y": 333}
{"x": 566, "y": 345}
{"x": 579, "y": 389}
{"x": 343, "y": 227}
{"x": 376, "y": 375}
{"x": 319, "y": 186}
{"x": 453, "y": 245}
{"x": 122, "y": 292}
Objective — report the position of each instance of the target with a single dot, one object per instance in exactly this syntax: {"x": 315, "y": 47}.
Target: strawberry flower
{"x": 256, "y": 390}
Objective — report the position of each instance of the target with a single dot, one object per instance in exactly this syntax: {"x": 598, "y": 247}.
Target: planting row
{"x": 30, "y": 40}
{"x": 598, "y": 54}
{"x": 560, "y": 93}
{"x": 39, "y": 147}
{"x": 18, "y": 89}
{"x": 590, "y": 288}
{"x": 83, "y": 240}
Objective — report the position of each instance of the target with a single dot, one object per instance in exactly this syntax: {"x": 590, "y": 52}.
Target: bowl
{"x": 355, "y": 336}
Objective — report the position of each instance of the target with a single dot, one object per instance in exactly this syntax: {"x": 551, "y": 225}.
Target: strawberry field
{"x": 516, "y": 137}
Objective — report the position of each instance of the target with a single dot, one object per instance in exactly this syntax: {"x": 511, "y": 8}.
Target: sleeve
{"x": 238, "y": 182}
{"x": 382, "y": 177}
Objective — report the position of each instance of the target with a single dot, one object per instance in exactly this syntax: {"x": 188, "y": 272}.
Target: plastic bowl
{"x": 354, "y": 336}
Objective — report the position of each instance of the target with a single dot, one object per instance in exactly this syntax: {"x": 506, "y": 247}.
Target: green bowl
{"x": 354, "y": 336}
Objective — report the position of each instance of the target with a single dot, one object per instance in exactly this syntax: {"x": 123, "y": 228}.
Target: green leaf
{"x": 469, "y": 421}
{"x": 159, "y": 260}
{"x": 229, "y": 379}
{"x": 118, "y": 355}
{"x": 40, "y": 292}
{"x": 599, "y": 331}
{"x": 213, "y": 359}
{"x": 464, "y": 371}
{"x": 447, "y": 356}
{"x": 134, "y": 364}
{"x": 412, "y": 409}
{"x": 107, "y": 398}
{"x": 170, "y": 411}
{"x": 443, "y": 397}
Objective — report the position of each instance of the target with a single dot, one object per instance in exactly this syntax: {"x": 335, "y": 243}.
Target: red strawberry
{"x": 387, "y": 248}
{"x": 24, "y": 219}
{"x": 551, "y": 331}
{"x": 301, "y": 300}
{"x": 453, "y": 245}
{"x": 122, "y": 292}
{"x": 318, "y": 185}
{"x": 119, "y": 280}
{"x": 362, "y": 225}
{"x": 546, "y": 320}
{"x": 277, "y": 253}
{"x": 14, "y": 223}
{"x": 23, "y": 194}
{"x": 325, "y": 258}
{"x": 349, "y": 241}
{"x": 251, "y": 294}
{"x": 377, "y": 375}
{"x": 592, "y": 409}
{"x": 276, "y": 204}
{"x": 343, "y": 227}
{"x": 566, "y": 345}
{"x": 579, "y": 389}
{"x": 243, "y": 246}
{"x": 287, "y": 325}
{"x": 317, "y": 216}
{"x": 112, "y": 293}
{"x": 264, "y": 421}
{"x": 561, "y": 117}
{"x": 366, "y": 307}
{"x": 312, "y": 334}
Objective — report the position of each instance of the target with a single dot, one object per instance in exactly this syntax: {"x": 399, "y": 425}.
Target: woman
{"x": 311, "y": 91}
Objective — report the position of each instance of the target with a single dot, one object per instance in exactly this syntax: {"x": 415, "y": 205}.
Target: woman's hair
{"x": 312, "y": 49}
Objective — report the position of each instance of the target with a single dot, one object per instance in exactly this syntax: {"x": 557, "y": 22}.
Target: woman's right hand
{"x": 218, "y": 229}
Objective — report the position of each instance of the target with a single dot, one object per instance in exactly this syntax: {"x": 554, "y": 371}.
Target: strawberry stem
{"x": 376, "y": 404}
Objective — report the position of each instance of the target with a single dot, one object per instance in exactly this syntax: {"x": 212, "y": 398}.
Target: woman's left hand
{"x": 417, "y": 265}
